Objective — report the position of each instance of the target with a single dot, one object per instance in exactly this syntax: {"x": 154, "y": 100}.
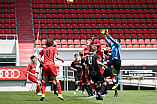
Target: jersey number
{"x": 89, "y": 60}
{"x": 47, "y": 53}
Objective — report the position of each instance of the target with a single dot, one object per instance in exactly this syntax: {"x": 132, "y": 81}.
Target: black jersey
{"x": 108, "y": 53}
{"x": 83, "y": 62}
{"x": 91, "y": 61}
{"x": 76, "y": 65}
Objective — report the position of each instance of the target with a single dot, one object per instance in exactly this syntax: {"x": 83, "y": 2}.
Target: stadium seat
{"x": 83, "y": 41}
{"x": 70, "y": 46}
{"x": 126, "y": 36}
{"x": 154, "y": 46}
{"x": 134, "y": 41}
{"x": 69, "y": 36}
{"x": 153, "y": 41}
{"x": 142, "y": 46}
{"x": 64, "y": 46}
{"x": 123, "y": 46}
{"x": 136, "y": 46}
{"x": 122, "y": 41}
{"x": 77, "y": 46}
{"x": 128, "y": 41}
{"x": 76, "y": 36}
{"x": 147, "y": 41}
{"x": 129, "y": 46}
{"x": 145, "y": 36}
{"x": 140, "y": 41}
{"x": 70, "y": 41}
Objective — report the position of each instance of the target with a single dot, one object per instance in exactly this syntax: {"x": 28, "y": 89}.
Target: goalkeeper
{"x": 116, "y": 59}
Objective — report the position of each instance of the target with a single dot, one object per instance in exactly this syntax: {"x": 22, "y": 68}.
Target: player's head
{"x": 108, "y": 47}
{"x": 81, "y": 53}
{"x": 118, "y": 40}
{"x": 76, "y": 57}
{"x": 88, "y": 42}
{"x": 93, "y": 48}
{"x": 93, "y": 36}
{"x": 33, "y": 58}
{"x": 49, "y": 42}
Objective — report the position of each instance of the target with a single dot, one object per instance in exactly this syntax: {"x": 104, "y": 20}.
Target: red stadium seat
{"x": 83, "y": 41}
{"x": 149, "y": 25}
{"x": 70, "y": 41}
{"x": 127, "y": 36}
{"x": 75, "y": 31}
{"x": 125, "y": 31}
{"x": 132, "y": 31}
{"x": 77, "y": 46}
{"x": 123, "y": 21}
{"x": 64, "y": 46}
{"x": 152, "y": 36}
{"x": 147, "y": 41}
{"x": 105, "y": 26}
{"x": 120, "y": 36}
{"x": 134, "y": 41}
{"x": 153, "y": 41}
{"x": 134, "y": 16}
{"x": 148, "y": 46}
{"x": 87, "y": 26}
{"x": 140, "y": 41}
{"x": 123, "y": 46}
{"x": 154, "y": 46}
{"x": 128, "y": 41}
{"x": 61, "y": 26}
{"x": 135, "y": 46}
{"x": 88, "y": 36}
{"x": 68, "y": 26}
{"x": 150, "y": 31}
{"x": 63, "y": 41}
{"x": 76, "y": 36}
{"x": 144, "y": 31}
{"x": 69, "y": 36}
{"x": 81, "y": 31}
{"x": 129, "y": 46}
{"x": 138, "y": 31}
{"x": 136, "y": 26}
{"x": 118, "y": 25}
{"x": 142, "y": 46}
{"x": 119, "y": 31}
{"x": 124, "y": 26}
{"x": 139, "y": 36}
{"x": 145, "y": 36}
{"x": 122, "y": 41}
{"x": 70, "y": 46}
{"x": 130, "y": 26}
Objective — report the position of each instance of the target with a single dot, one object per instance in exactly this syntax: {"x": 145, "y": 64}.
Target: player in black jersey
{"x": 75, "y": 65}
{"x": 92, "y": 64}
{"x": 107, "y": 55}
{"x": 85, "y": 78}
{"x": 50, "y": 79}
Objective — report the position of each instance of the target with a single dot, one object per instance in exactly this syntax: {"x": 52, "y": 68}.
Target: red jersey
{"x": 96, "y": 41}
{"x": 85, "y": 50}
{"x": 49, "y": 53}
{"x": 31, "y": 68}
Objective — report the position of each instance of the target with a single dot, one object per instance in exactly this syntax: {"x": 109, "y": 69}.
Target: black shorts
{"x": 108, "y": 73}
{"x": 77, "y": 77}
{"x": 84, "y": 79}
{"x": 98, "y": 78}
{"x": 50, "y": 77}
{"x": 116, "y": 64}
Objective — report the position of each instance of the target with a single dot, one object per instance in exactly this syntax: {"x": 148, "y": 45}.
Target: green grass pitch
{"x": 124, "y": 97}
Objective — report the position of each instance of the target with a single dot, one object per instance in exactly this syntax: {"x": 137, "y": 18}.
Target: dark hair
{"x": 94, "y": 35}
{"x": 81, "y": 53}
{"x": 75, "y": 55}
{"x": 32, "y": 57}
{"x": 49, "y": 42}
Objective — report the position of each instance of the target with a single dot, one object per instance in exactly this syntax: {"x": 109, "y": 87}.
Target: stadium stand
{"x": 126, "y": 20}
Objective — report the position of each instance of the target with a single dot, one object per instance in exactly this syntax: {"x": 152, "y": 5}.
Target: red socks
{"x": 43, "y": 88}
{"x": 59, "y": 87}
{"x": 80, "y": 84}
{"x": 38, "y": 89}
{"x": 93, "y": 86}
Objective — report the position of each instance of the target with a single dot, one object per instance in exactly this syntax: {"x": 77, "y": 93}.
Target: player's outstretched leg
{"x": 98, "y": 96}
{"x": 103, "y": 89}
{"x": 116, "y": 94}
{"x": 117, "y": 80}
{"x": 43, "y": 91}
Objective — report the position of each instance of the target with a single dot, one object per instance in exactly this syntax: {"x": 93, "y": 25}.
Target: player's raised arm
{"x": 103, "y": 32}
{"x": 58, "y": 58}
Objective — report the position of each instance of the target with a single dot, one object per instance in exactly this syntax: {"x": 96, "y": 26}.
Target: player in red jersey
{"x": 96, "y": 42}
{"x": 31, "y": 70}
{"x": 87, "y": 49}
{"x": 49, "y": 66}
